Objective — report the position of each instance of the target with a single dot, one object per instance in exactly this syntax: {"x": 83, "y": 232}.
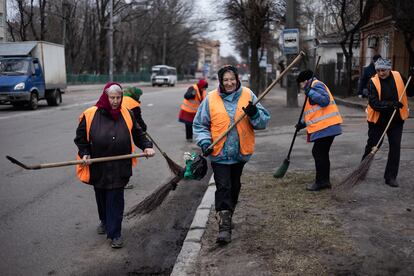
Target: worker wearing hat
{"x": 222, "y": 107}
{"x": 192, "y": 98}
{"x": 322, "y": 121}
{"x": 385, "y": 90}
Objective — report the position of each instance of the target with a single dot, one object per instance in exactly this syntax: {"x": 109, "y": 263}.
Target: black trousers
{"x": 227, "y": 178}
{"x": 111, "y": 210}
{"x": 394, "y": 134}
{"x": 189, "y": 131}
{"x": 320, "y": 152}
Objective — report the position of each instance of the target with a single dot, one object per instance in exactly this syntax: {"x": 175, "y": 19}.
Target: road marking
{"x": 48, "y": 110}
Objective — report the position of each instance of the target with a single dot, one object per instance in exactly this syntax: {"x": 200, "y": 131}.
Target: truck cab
{"x": 23, "y": 79}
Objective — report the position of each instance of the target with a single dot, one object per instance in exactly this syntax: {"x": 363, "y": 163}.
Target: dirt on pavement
{"x": 282, "y": 229}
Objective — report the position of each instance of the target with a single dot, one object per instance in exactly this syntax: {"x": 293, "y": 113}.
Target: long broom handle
{"x": 296, "y": 60}
{"x": 301, "y": 112}
{"x": 375, "y": 149}
{"x": 75, "y": 162}
{"x": 152, "y": 140}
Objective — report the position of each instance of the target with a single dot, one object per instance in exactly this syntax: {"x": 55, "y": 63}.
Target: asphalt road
{"x": 48, "y": 218}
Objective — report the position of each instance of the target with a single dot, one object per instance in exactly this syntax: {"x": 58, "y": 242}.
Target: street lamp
{"x": 111, "y": 42}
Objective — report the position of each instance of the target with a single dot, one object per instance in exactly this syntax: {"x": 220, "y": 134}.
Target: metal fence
{"x": 122, "y": 78}
{"x": 336, "y": 79}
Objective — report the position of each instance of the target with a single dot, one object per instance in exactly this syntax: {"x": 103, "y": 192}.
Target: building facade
{"x": 208, "y": 57}
{"x": 379, "y": 36}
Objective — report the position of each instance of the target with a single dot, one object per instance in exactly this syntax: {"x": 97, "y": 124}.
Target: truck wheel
{"x": 54, "y": 98}
{"x": 33, "y": 104}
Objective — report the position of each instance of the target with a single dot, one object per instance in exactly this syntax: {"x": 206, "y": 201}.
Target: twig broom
{"x": 174, "y": 167}
{"x": 157, "y": 197}
{"x": 361, "y": 171}
{"x": 281, "y": 171}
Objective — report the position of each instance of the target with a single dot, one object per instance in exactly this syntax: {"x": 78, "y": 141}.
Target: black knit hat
{"x": 304, "y": 76}
{"x": 225, "y": 69}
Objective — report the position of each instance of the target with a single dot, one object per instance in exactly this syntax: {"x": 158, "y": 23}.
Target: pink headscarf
{"x": 103, "y": 102}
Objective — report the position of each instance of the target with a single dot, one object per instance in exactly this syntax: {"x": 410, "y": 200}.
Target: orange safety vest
{"x": 129, "y": 102}
{"x": 192, "y": 105}
{"x": 83, "y": 171}
{"x": 318, "y": 117}
{"x": 220, "y": 122}
{"x": 372, "y": 115}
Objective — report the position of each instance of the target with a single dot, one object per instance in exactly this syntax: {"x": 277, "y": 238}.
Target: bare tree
{"x": 141, "y": 29}
{"x": 250, "y": 20}
{"x": 402, "y": 13}
{"x": 348, "y": 16}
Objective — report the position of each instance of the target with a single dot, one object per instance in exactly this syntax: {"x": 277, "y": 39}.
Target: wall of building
{"x": 208, "y": 57}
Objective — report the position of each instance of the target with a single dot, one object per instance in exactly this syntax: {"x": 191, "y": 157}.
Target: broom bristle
{"x": 174, "y": 167}
{"x": 342, "y": 190}
{"x": 155, "y": 199}
{"x": 281, "y": 171}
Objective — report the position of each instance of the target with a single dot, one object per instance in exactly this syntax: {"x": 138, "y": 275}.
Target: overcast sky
{"x": 219, "y": 30}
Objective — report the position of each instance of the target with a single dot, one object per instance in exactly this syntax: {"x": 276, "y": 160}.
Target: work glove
{"x": 300, "y": 125}
{"x": 250, "y": 109}
{"x": 206, "y": 151}
{"x": 394, "y": 105}
{"x": 307, "y": 90}
{"x": 397, "y": 105}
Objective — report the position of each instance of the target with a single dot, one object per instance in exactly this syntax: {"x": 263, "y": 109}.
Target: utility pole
{"x": 63, "y": 22}
{"x": 111, "y": 41}
{"x": 292, "y": 87}
{"x": 164, "y": 45}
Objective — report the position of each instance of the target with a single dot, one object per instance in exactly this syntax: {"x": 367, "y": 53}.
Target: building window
{"x": 1, "y": 19}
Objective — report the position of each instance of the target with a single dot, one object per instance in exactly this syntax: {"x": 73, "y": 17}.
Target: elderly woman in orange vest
{"x": 385, "y": 90}
{"x": 108, "y": 129}
{"x": 228, "y": 157}
{"x": 322, "y": 121}
{"x": 192, "y": 98}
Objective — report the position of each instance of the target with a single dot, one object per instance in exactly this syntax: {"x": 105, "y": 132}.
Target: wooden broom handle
{"x": 374, "y": 149}
{"x": 267, "y": 90}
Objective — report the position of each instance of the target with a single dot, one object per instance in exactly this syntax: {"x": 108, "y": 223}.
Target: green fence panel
{"x": 122, "y": 78}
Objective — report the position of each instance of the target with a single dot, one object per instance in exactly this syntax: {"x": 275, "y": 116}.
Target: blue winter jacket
{"x": 230, "y": 154}
{"x": 318, "y": 95}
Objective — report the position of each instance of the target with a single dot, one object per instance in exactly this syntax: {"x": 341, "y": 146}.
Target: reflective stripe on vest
{"x": 220, "y": 122}
{"x": 83, "y": 171}
{"x": 129, "y": 102}
{"x": 372, "y": 115}
{"x": 318, "y": 117}
{"x": 192, "y": 105}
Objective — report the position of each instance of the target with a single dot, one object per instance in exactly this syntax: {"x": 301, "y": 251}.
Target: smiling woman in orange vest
{"x": 108, "y": 129}
{"x": 322, "y": 121}
{"x": 385, "y": 90}
{"x": 228, "y": 157}
{"x": 192, "y": 98}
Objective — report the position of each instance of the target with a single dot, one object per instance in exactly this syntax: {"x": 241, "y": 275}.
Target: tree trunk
{"x": 254, "y": 67}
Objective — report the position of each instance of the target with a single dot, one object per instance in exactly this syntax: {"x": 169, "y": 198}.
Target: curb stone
{"x": 192, "y": 244}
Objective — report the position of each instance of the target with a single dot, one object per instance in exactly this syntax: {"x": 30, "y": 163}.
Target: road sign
{"x": 263, "y": 60}
{"x": 269, "y": 68}
{"x": 290, "y": 41}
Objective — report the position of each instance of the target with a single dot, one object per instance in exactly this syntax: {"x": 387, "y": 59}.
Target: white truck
{"x": 31, "y": 71}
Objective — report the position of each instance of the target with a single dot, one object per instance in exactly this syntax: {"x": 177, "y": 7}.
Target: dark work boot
{"x": 391, "y": 182}
{"x": 224, "y": 221}
{"x": 319, "y": 186}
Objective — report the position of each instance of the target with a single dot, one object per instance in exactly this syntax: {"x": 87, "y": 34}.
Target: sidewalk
{"x": 281, "y": 229}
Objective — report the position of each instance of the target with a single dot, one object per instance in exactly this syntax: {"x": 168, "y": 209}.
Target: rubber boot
{"x": 224, "y": 222}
